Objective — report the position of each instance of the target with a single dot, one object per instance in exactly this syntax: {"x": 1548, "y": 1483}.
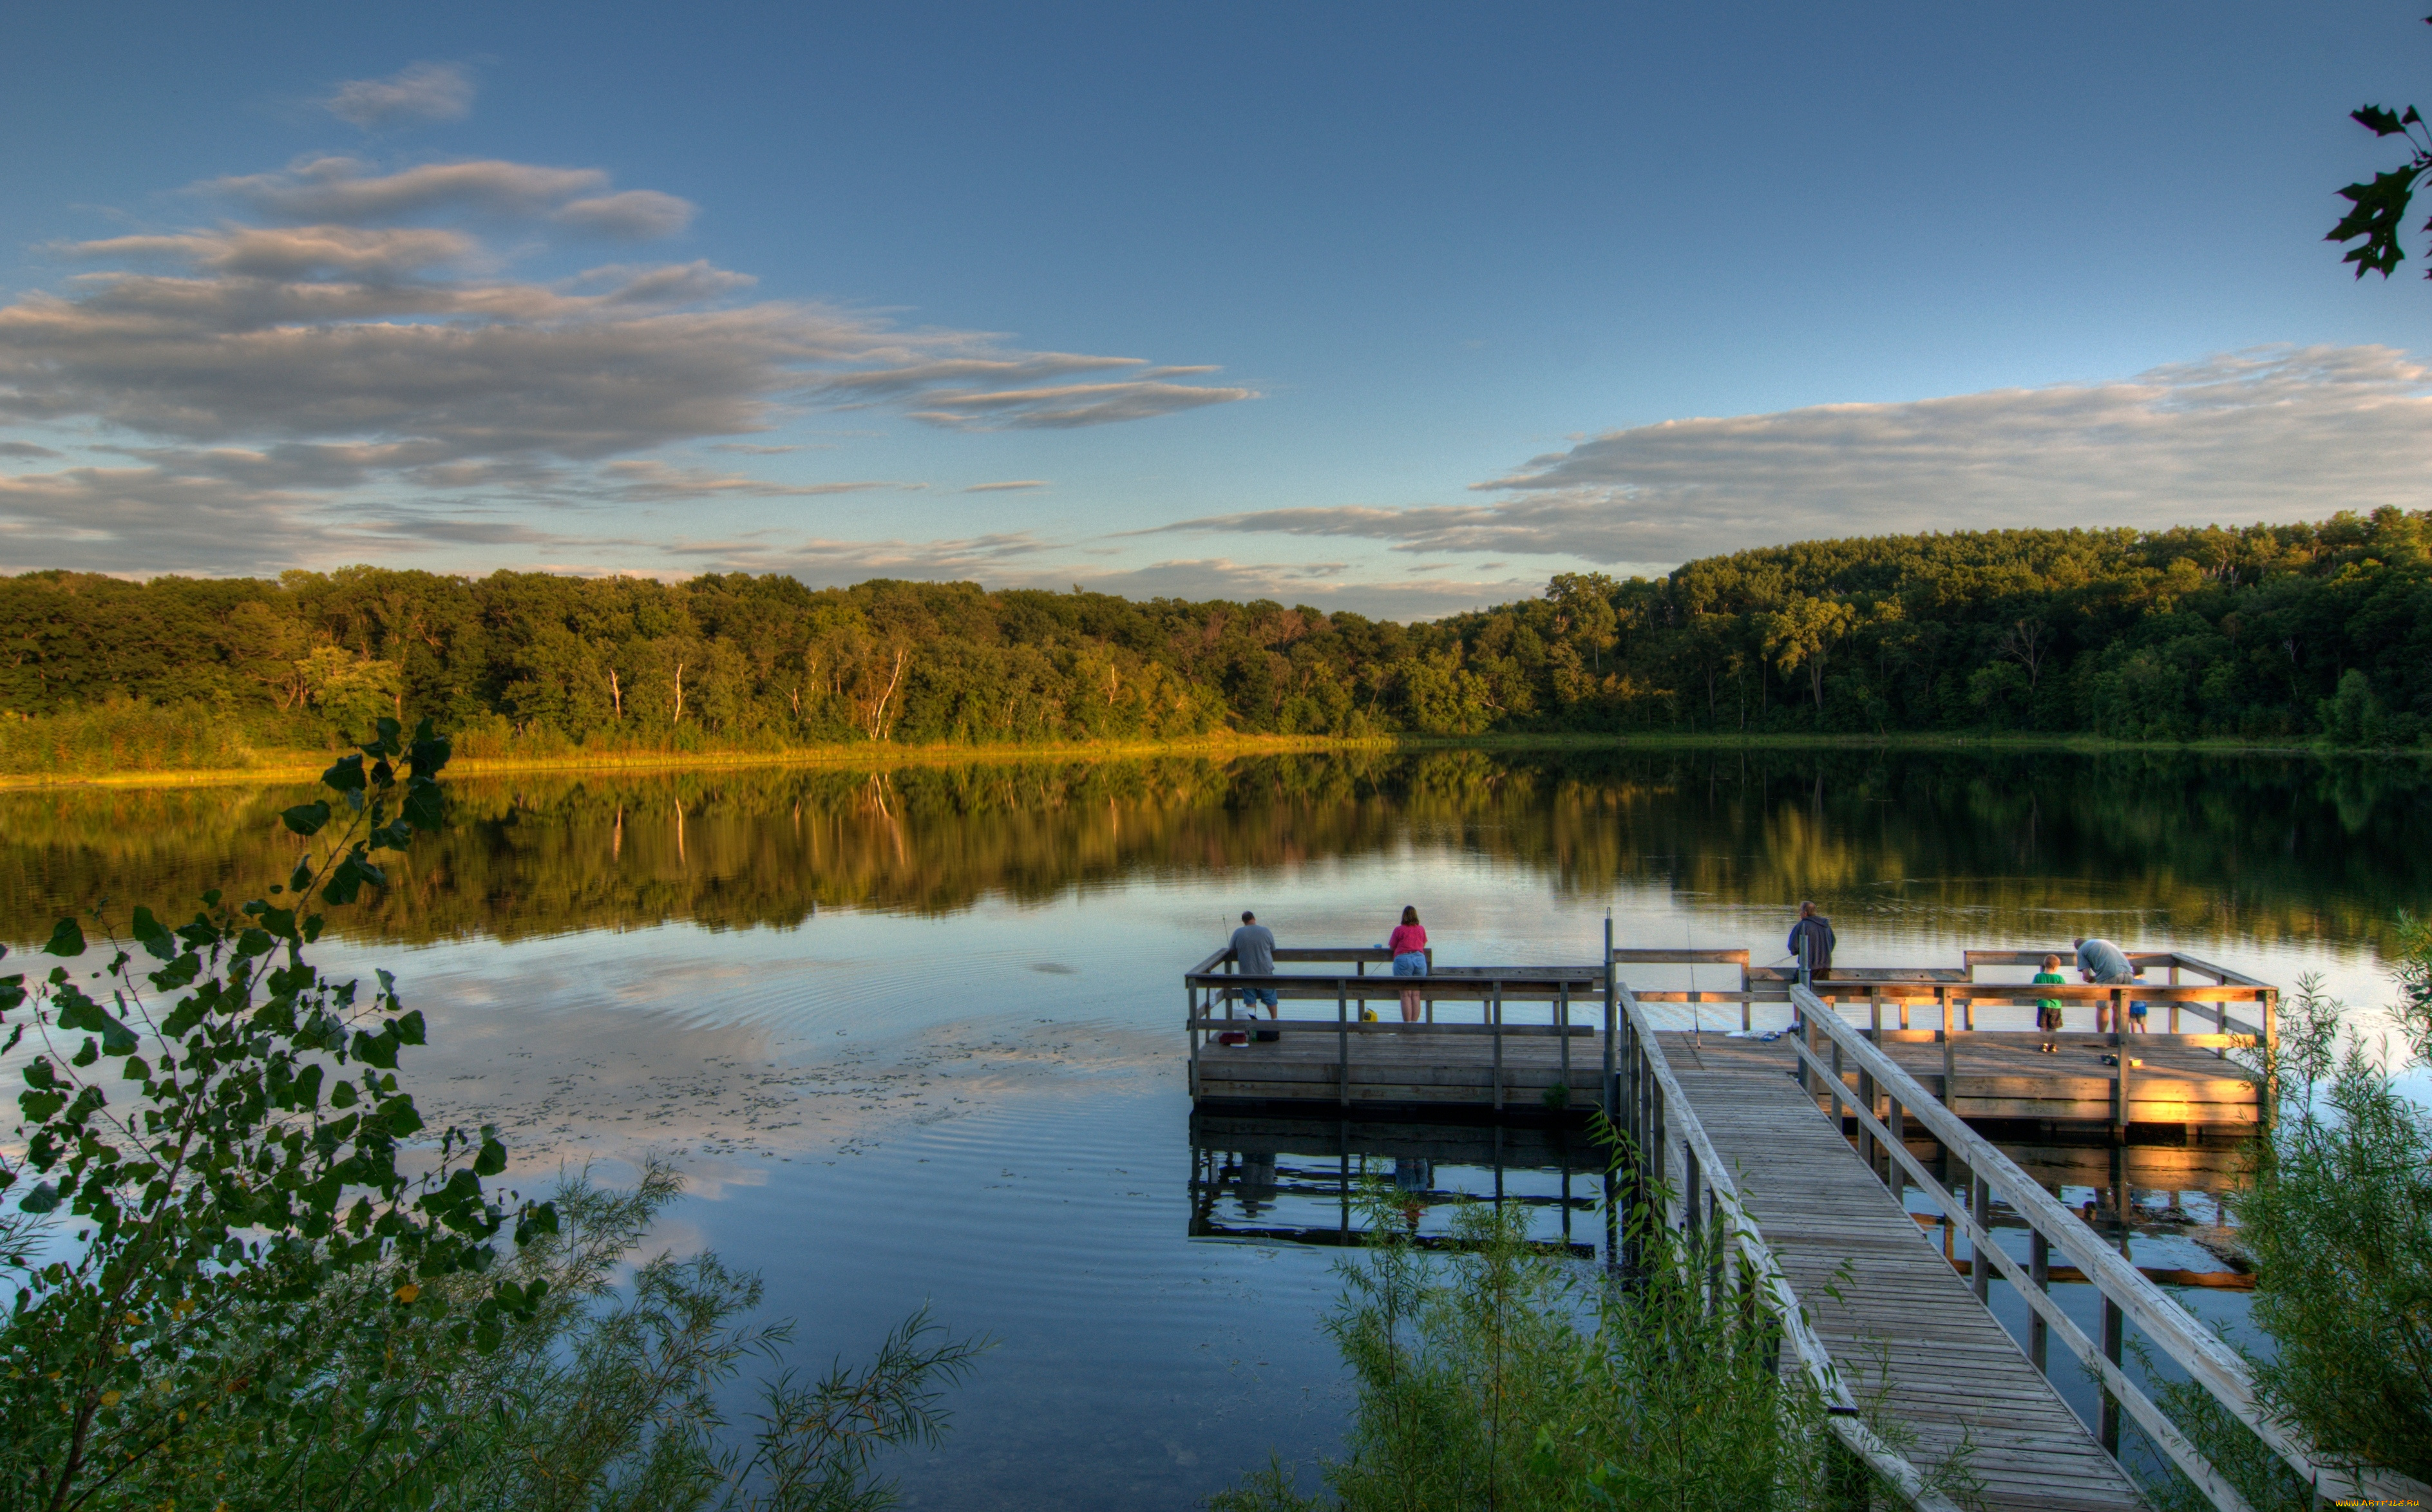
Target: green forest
{"x": 2270, "y": 632}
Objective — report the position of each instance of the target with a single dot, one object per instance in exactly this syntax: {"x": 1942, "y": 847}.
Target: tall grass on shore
{"x": 1493, "y": 1374}
{"x": 130, "y": 735}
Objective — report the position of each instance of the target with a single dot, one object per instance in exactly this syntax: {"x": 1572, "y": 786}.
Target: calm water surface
{"x": 912, "y": 1034}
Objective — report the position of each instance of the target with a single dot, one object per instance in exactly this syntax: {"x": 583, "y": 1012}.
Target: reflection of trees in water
{"x": 2262, "y": 847}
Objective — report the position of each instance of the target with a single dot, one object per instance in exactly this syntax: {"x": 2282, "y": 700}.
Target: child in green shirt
{"x": 2047, "y": 1009}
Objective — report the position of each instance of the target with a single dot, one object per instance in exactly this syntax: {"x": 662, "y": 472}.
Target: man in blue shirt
{"x": 1253, "y": 952}
{"x": 2103, "y": 963}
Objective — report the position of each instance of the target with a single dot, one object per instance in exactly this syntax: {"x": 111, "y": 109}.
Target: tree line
{"x": 2268, "y": 633}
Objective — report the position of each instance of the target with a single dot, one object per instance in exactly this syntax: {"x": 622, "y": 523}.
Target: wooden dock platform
{"x": 1539, "y": 1040}
{"x": 1898, "y": 1320}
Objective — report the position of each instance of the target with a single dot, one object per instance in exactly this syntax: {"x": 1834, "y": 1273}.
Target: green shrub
{"x": 1497, "y": 1376}
{"x": 2338, "y": 1219}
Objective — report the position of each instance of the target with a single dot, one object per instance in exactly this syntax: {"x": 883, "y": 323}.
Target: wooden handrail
{"x": 1672, "y": 957}
{"x": 1395, "y": 1026}
{"x": 1546, "y": 984}
{"x": 1759, "y": 1266}
{"x": 2188, "y": 1342}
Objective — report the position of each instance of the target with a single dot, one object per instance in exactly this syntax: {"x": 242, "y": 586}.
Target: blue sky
{"x": 1396, "y": 309}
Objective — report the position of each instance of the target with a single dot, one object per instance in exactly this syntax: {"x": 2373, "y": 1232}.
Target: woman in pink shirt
{"x": 1409, "y": 943}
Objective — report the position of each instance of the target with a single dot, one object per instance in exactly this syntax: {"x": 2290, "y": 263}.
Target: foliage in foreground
{"x": 236, "y": 1279}
{"x": 2338, "y": 1220}
{"x": 1501, "y": 1376}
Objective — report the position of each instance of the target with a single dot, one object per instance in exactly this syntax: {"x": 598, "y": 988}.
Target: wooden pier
{"x": 1793, "y": 1159}
{"x": 1537, "y": 1040}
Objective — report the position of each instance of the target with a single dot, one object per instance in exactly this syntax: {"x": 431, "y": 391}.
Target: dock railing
{"x": 1693, "y": 1192}
{"x": 1215, "y": 983}
{"x": 2126, "y": 1293}
{"x": 1886, "y": 995}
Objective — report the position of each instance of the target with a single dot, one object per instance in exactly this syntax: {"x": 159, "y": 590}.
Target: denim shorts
{"x": 1410, "y": 964}
{"x": 1253, "y": 996}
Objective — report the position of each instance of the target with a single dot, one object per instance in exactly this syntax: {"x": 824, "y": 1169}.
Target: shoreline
{"x": 305, "y": 766}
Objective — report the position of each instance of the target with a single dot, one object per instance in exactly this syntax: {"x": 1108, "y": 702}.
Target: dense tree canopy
{"x": 2268, "y": 633}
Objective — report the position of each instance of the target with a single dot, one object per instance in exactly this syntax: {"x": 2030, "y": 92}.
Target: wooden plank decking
{"x": 1904, "y": 1323}
{"x": 1392, "y": 1066}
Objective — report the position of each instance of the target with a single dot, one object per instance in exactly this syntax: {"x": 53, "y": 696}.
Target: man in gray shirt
{"x": 2102, "y": 962}
{"x": 1253, "y": 952}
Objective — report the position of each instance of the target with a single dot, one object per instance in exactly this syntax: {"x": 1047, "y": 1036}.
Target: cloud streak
{"x": 417, "y": 94}
{"x": 2277, "y": 433}
{"x": 357, "y": 333}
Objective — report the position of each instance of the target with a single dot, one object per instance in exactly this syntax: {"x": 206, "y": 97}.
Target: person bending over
{"x": 2107, "y": 965}
{"x": 1254, "y": 952}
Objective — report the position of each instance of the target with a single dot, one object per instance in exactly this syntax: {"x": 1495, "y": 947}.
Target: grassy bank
{"x": 214, "y": 757}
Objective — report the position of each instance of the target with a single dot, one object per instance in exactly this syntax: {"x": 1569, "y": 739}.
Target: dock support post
{"x": 2119, "y": 1066}
{"x": 1655, "y": 1128}
{"x": 1494, "y": 1006}
{"x": 1867, "y": 1099}
{"x": 1980, "y": 1207}
{"x": 1342, "y": 1046}
{"x": 1190, "y": 1025}
{"x": 1716, "y": 1249}
{"x": 2109, "y": 1431}
{"x": 1562, "y": 1009}
{"x": 1949, "y": 1050}
{"x": 1612, "y": 1006}
{"x": 2039, "y": 1271}
{"x": 1691, "y": 1229}
{"x": 2268, "y": 1094}
{"x": 1892, "y": 1174}
{"x": 1850, "y": 1488}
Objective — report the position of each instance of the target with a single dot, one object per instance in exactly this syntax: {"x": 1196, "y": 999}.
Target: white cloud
{"x": 634, "y": 215}
{"x": 643, "y": 480}
{"x": 2277, "y": 434}
{"x": 148, "y": 520}
{"x": 331, "y": 333}
{"x": 1009, "y": 486}
{"x": 1068, "y": 406}
{"x": 290, "y": 252}
{"x": 349, "y": 192}
{"x": 26, "y": 449}
{"x": 418, "y": 92}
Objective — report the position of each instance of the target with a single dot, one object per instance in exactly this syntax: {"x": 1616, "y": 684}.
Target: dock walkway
{"x": 1899, "y": 1321}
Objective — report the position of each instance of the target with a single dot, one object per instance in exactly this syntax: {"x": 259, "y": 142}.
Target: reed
{"x": 1494, "y": 1374}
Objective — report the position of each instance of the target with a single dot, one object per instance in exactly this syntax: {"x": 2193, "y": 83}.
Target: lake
{"x": 914, "y": 1033}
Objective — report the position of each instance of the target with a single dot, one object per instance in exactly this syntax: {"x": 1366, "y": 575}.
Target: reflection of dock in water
{"x": 1788, "y": 1161}
{"x": 1249, "y": 1173}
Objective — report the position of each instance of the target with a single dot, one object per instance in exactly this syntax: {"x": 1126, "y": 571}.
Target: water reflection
{"x": 1327, "y": 1180}
{"x": 2262, "y": 848}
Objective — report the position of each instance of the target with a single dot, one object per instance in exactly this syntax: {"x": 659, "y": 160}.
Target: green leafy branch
{"x": 2378, "y": 209}
{"x": 255, "y": 1164}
